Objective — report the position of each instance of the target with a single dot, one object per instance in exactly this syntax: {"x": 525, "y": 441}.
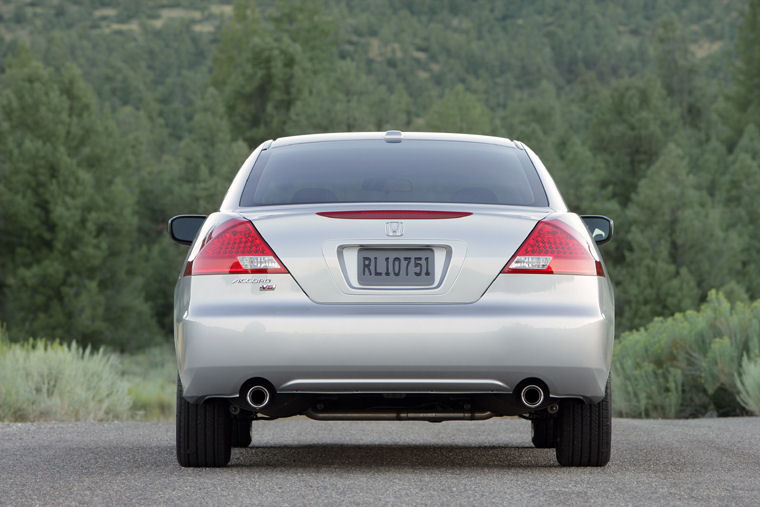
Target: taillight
{"x": 553, "y": 247}
{"x": 234, "y": 247}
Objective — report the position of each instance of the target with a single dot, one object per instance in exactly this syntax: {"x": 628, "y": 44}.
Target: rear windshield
{"x": 410, "y": 171}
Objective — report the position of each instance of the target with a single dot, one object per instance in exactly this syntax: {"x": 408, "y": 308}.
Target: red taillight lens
{"x": 234, "y": 247}
{"x": 553, "y": 247}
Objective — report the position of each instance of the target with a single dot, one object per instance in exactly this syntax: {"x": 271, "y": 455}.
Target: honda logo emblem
{"x": 394, "y": 228}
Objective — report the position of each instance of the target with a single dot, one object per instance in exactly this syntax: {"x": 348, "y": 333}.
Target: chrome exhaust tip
{"x": 257, "y": 397}
{"x": 532, "y": 396}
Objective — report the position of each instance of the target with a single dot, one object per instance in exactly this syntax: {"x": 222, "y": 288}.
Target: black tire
{"x": 544, "y": 434}
{"x": 241, "y": 432}
{"x": 203, "y": 432}
{"x": 584, "y": 432}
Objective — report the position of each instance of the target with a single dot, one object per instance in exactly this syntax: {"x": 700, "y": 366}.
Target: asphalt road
{"x": 298, "y": 461}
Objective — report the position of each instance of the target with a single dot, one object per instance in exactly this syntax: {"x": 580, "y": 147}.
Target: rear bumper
{"x": 555, "y": 328}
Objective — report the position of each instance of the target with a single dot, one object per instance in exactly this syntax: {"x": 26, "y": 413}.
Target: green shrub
{"x": 152, "y": 377}
{"x": 644, "y": 391}
{"x": 50, "y": 381}
{"x": 748, "y": 383}
{"x": 688, "y": 365}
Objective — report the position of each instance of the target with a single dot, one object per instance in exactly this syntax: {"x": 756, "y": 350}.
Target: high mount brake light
{"x": 553, "y": 247}
{"x": 234, "y": 247}
{"x": 377, "y": 214}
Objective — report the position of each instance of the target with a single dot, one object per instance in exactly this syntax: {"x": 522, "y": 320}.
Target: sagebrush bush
{"x": 50, "y": 381}
{"x": 152, "y": 378}
{"x": 748, "y": 382}
{"x": 688, "y": 365}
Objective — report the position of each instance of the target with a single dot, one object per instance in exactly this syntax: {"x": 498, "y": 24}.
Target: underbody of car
{"x": 390, "y": 276}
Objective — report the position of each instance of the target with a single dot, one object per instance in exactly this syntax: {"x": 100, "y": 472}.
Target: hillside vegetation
{"x": 115, "y": 116}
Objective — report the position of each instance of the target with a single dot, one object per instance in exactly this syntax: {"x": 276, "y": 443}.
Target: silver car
{"x": 393, "y": 276}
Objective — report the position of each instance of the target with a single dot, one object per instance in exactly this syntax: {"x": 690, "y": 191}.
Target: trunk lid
{"x": 328, "y": 255}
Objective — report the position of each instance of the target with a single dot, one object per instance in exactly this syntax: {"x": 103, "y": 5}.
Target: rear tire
{"x": 544, "y": 433}
{"x": 584, "y": 432}
{"x": 203, "y": 432}
{"x": 241, "y": 433}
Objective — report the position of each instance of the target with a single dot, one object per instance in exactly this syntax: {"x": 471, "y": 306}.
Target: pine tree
{"x": 263, "y": 67}
{"x": 581, "y": 180}
{"x": 459, "y": 111}
{"x": 745, "y": 94}
{"x": 68, "y": 234}
{"x": 677, "y": 69}
{"x": 209, "y": 157}
{"x": 679, "y": 244}
{"x": 709, "y": 162}
{"x": 536, "y": 118}
{"x": 631, "y": 125}
{"x": 737, "y": 189}
{"x": 338, "y": 100}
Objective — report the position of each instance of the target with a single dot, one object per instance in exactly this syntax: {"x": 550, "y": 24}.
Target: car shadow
{"x": 353, "y": 456}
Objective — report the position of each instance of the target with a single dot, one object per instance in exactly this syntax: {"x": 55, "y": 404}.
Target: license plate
{"x": 387, "y": 267}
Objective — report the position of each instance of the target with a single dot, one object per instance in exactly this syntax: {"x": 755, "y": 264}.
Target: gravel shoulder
{"x": 297, "y": 461}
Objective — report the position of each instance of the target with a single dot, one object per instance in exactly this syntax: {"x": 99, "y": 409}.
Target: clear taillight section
{"x": 234, "y": 247}
{"x": 553, "y": 247}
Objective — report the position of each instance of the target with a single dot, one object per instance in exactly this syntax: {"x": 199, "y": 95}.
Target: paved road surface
{"x": 298, "y": 461}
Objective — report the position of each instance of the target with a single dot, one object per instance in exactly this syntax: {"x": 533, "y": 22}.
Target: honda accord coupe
{"x": 393, "y": 276}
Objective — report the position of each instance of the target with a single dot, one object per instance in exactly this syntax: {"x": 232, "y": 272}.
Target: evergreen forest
{"x": 115, "y": 116}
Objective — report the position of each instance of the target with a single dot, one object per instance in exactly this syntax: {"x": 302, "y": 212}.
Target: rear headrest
{"x": 475, "y": 194}
{"x": 306, "y": 195}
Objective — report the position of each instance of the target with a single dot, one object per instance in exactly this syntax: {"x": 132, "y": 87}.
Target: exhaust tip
{"x": 532, "y": 396}
{"x": 257, "y": 397}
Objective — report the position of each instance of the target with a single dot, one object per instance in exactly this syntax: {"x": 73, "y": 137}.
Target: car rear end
{"x": 387, "y": 276}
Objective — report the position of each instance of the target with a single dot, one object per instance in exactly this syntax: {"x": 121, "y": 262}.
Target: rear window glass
{"x": 410, "y": 171}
